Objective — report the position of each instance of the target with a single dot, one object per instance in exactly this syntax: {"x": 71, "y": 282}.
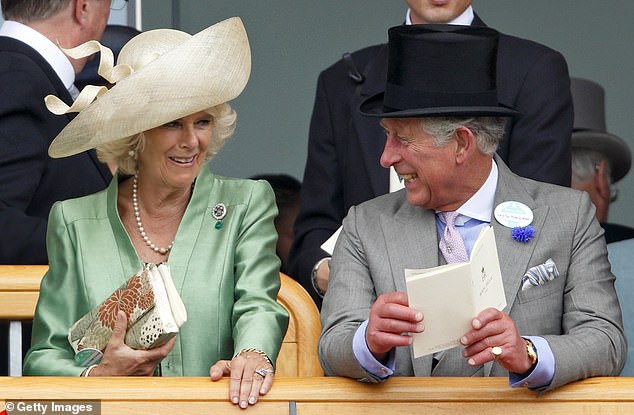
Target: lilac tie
{"x": 451, "y": 244}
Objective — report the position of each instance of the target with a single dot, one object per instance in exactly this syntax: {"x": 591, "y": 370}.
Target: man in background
{"x": 342, "y": 166}
{"x": 599, "y": 159}
{"x": 32, "y": 66}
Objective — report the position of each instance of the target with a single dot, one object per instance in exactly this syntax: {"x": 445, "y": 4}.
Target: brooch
{"x": 219, "y": 212}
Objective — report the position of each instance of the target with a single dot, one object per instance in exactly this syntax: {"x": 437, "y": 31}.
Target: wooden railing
{"x": 19, "y": 289}
{"x": 326, "y": 395}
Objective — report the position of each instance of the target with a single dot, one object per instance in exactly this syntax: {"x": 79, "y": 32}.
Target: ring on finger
{"x": 263, "y": 372}
{"x": 496, "y": 352}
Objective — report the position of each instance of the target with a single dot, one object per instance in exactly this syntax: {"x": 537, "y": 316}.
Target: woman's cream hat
{"x": 161, "y": 75}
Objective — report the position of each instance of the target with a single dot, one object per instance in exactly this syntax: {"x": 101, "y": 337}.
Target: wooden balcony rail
{"x": 19, "y": 289}
{"x": 327, "y": 395}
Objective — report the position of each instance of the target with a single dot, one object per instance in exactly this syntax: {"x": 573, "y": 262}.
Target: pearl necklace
{"x": 139, "y": 224}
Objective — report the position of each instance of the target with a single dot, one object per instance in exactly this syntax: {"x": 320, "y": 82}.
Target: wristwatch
{"x": 532, "y": 353}
{"x": 313, "y": 276}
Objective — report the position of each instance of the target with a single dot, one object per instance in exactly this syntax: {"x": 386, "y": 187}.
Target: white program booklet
{"x": 451, "y": 295}
{"x": 329, "y": 245}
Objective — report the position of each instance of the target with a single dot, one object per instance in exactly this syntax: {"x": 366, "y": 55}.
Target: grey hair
{"x": 584, "y": 164}
{"x": 32, "y": 10}
{"x": 122, "y": 152}
{"x": 487, "y": 130}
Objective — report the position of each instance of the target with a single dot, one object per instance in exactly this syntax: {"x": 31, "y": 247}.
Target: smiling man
{"x": 342, "y": 165}
{"x": 442, "y": 132}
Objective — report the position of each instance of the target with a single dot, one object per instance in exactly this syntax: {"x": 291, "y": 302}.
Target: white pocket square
{"x": 540, "y": 274}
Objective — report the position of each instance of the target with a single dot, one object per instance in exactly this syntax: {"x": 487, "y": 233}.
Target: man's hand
{"x": 493, "y": 328}
{"x": 391, "y": 321}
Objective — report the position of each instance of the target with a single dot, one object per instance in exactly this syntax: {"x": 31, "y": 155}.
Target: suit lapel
{"x": 191, "y": 227}
{"x": 411, "y": 239}
{"x": 130, "y": 262}
{"x": 514, "y": 256}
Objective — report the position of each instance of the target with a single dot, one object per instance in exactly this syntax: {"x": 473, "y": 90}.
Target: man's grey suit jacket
{"x": 578, "y": 312}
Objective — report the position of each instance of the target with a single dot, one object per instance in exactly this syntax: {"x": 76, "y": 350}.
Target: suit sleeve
{"x": 322, "y": 206}
{"x": 593, "y": 342}
{"x": 59, "y": 304}
{"x": 346, "y": 305}
{"x": 258, "y": 320}
{"x": 539, "y": 145}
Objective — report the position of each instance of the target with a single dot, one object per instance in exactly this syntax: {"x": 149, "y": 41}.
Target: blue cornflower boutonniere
{"x": 518, "y": 217}
{"x": 523, "y": 233}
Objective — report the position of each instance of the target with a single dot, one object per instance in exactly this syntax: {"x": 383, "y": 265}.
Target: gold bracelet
{"x": 88, "y": 369}
{"x": 254, "y": 350}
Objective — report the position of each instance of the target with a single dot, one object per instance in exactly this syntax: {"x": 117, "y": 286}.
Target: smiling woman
{"x": 164, "y": 118}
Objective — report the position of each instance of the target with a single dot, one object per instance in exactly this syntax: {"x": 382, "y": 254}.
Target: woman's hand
{"x": 251, "y": 376}
{"x": 121, "y": 360}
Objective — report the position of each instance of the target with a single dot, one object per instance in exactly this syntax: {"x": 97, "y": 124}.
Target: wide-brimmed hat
{"x": 590, "y": 132}
{"x": 439, "y": 70}
{"x": 161, "y": 75}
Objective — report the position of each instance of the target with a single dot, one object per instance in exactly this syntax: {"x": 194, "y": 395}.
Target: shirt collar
{"x": 480, "y": 205}
{"x": 464, "y": 19}
{"x": 44, "y": 46}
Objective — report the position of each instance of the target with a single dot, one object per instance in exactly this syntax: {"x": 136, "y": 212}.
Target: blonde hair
{"x": 122, "y": 152}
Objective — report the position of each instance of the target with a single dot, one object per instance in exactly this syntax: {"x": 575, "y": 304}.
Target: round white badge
{"x": 513, "y": 214}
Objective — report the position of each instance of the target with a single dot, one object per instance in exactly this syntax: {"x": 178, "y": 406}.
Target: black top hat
{"x": 439, "y": 70}
{"x": 589, "y": 130}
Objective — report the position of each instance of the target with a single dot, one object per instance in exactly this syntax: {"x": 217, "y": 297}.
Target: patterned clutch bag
{"x": 152, "y": 305}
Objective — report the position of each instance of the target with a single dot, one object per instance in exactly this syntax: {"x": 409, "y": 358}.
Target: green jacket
{"x": 226, "y": 272}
